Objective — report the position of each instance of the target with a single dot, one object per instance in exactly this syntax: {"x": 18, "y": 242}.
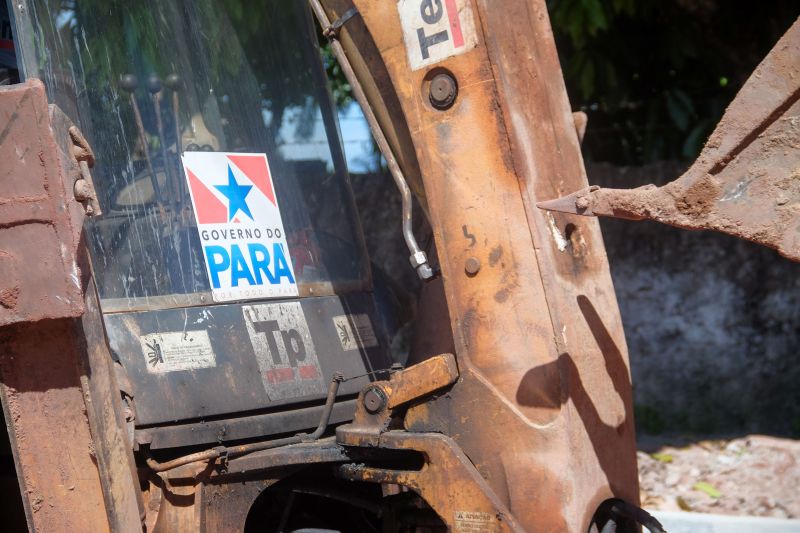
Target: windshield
{"x": 151, "y": 80}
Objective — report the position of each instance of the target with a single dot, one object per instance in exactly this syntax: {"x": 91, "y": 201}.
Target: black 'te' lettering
{"x": 431, "y": 12}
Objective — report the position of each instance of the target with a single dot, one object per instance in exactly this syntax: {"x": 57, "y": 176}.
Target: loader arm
{"x": 482, "y": 127}
{"x": 745, "y": 181}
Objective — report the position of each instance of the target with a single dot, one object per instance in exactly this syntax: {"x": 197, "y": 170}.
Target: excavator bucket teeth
{"x": 577, "y": 203}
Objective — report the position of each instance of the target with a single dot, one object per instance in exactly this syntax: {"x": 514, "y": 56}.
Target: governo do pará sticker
{"x": 240, "y": 226}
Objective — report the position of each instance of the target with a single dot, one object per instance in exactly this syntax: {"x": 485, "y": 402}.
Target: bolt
{"x": 443, "y": 91}
{"x": 374, "y": 399}
{"x": 582, "y": 202}
{"x": 472, "y": 266}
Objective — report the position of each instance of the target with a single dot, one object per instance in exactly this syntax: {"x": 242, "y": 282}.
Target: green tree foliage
{"x": 654, "y": 77}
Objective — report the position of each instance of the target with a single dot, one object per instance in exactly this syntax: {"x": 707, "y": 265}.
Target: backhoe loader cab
{"x": 192, "y": 336}
{"x": 228, "y": 259}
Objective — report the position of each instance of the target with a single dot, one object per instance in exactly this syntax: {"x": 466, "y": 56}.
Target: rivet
{"x": 472, "y": 266}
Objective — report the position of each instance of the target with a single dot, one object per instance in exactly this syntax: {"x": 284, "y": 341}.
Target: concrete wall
{"x": 712, "y": 323}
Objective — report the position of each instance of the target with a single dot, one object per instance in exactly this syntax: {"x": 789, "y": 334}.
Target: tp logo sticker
{"x": 240, "y": 226}
{"x": 284, "y": 350}
{"x": 434, "y": 30}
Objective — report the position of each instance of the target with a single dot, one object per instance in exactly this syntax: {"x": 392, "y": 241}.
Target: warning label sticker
{"x": 284, "y": 350}
{"x": 434, "y": 30}
{"x": 475, "y": 522}
{"x": 355, "y": 331}
{"x": 178, "y": 350}
{"x": 240, "y": 226}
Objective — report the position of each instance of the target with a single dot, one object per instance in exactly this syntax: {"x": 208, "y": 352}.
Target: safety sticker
{"x": 475, "y": 522}
{"x": 434, "y": 30}
{"x": 284, "y": 350}
{"x": 355, "y": 331}
{"x": 240, "y": 226}
{"x": 177, "y": 350}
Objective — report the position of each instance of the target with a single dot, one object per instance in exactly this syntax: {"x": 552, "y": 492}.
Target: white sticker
{"x": 475, "y": 522}
{"x": 355, "y": 331}
{"x": 434, "y": 30}
{"x": 240, "y": 226}
{"x": 177, "y": 350}
{"x": 284, "y": 350}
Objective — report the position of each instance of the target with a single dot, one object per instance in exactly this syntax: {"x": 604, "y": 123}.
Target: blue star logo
{"x": 236, "y": 195}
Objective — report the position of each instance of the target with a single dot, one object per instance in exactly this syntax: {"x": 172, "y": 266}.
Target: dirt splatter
{"x": 699, "y": 198}
{"x": 9, "y": 297}
{"x": 495, "y": 255}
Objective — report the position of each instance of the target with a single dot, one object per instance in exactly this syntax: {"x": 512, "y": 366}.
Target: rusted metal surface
{"x": 403, "y": 387}
{"x": 210, "y": 498}
{"x": 746, "y": 181}
{"x": 447, "y": 480}
{"x": 74, "y": 467}
{"x": 45, "y": 410}
{"x": 112, "y": 450}
{"x": 421, "y": 379}
{"x": 543, "y": 404}
{"x": 37, "y": 205}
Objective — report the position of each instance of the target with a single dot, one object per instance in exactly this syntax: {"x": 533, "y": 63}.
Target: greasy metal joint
{"x": 374, "y": 399}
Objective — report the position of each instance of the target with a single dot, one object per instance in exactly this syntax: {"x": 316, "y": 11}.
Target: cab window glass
{"x": 150, "y": 79}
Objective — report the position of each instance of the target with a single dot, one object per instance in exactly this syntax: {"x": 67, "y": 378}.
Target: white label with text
{"x": 284, "y": 350}
{"x": 355, "y": 331}
{"x": 177, "y": 350}
{"x": 475, "y": 522}
{"x": 434, "y": 30}
{"x": 240, "y": 226}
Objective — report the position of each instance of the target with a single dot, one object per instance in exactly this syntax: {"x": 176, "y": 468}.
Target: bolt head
{"x": 443, "y": 91}
{"x": 374, "y": 400}
{"x": 582, "y": 202}
{"x": 472, "y": 265}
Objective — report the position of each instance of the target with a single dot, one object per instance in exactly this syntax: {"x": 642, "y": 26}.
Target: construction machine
{"x": 193, "y": 337}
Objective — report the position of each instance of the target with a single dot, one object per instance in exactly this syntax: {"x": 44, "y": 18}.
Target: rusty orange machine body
{"x": 513, "y": 411}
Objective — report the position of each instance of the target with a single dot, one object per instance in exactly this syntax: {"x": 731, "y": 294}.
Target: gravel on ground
{"x": 754, "y": 475}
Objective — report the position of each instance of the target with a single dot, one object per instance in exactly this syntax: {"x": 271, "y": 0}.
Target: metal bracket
{"x": 332, "y": 31}
{"x": 84, "y": 185}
